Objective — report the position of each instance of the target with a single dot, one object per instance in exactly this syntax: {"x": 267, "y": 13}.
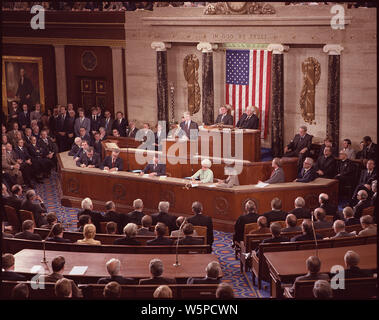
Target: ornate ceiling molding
{"x": 221, "y": 8}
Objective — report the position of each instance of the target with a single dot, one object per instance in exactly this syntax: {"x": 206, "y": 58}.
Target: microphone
{"x": 177, "y": 264}
{"x": 44, "y": 260}
{"x": 314, "y": 233}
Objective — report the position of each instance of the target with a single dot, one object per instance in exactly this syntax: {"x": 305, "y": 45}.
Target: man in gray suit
{"x": 224, "y": 117}
{"x": 277, "y": 175}
{"x": 81, "y": 122}
{"x": 339, "y": 229}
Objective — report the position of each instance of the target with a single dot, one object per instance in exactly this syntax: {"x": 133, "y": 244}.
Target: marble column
{"x": 60, "y": 71}
{"x": 162, "y": 82}
{"x": 333, "y": 100}
{"x": 207, "y": 79}
{"x": 277, "y": 105}
{"x": 118, "y": 80}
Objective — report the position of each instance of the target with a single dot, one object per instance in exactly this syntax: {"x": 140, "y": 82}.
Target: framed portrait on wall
{"x": 22, "y": 81}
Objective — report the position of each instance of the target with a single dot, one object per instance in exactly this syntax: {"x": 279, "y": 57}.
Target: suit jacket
{"x": 308, "y": 176}
{"x": 24, "y": 119}
{"x": 276, "y": 177}
{"x": 14, "y": 202}
{"x": 12, "y": 276}
{"x": 95, "y": 124}
{"x": 121, "y": 127}
{"x": 367, "y": 178}
{"x": 157, "y": 280}
{"x": 167, "y": 219}
{"x": 301, "y": 213}
{"x": 26, "y": 235}
{"x": 345, "y": 169}
{"x": 84, "y": 159}
{"x": 37, "y": 209}
{"x": 47, "y": 146}
{"x": 228, "y": 119}
{"x": 131, "y": 133}
{"x": 107, "y": 125}
{"x": 352, "y": 222}
{"x": 292, "y": 229}
{"x": 74, "y": 150}
{"x": 160, "y": 169}
{"x": 190, "y": 240}
{"x": 275, "y": 215}
{"x": 22, "y": 154}
{"x": 192, "y": 131}
{"x": 118, "y": 279}
{"x": 298, "y": 143}
{"x": 356, "y": 272}
{"x": 305, "y": 237}
{"x": 97, "y": 147}
{"x": 369, "y": 231}
{"x": 275, "y": 239}
{"x": 85, "y": 123}
{"x": 323, "y": 224}
{"x": 108, "y": 163}
{"x": 7, "y": 161}
{"x": 127, "y": 241}
{"x": 327, "y": 165}
{"x": 160, "y": 241}
{"x": 202, "y": 220}
{"x": 87, "y": 138}
{"x": 362, "y": 204}
{"x": 96, "y": 217}
{"x": 205, "y": 280}
{"x": 63, "y": 125}
{"x": 35, "y": 115}
{"x": 310, "y": 276}
{"x": 343, "y": 234}
{"x": 135, "y": 217}
{"x": 368, "y": 153}
{"x": 144, "y": 232}
{"x": 239, "y": 226}
{"x": 35, "y": 152}
{"x": 117, "y": 218}
{"x": 246, "y": 122}
{"x": 330, "y": 210}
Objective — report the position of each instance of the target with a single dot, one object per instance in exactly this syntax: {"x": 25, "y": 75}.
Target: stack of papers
{"x": 111, "y": 145}
{"x": 78, "y": 270}
{"x": 193, "y": 185}
{"x": 136, "y": 171}
{"x": 261, "y": 185}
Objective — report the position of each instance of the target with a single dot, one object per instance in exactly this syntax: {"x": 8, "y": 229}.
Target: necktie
{"x": 272, "y": 173}
{"x": 155, "y": 167}
{"x": 113, "y": 162}
{"x": 81, "y": 120}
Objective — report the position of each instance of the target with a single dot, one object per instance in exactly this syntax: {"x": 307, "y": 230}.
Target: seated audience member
{"x": 63, "y": 289}
{"x": 156, "y": 270}
{"x": 366, "y": 178}
{"x": 213, "y": 271}
{"x": 82, "y": 150}
{"x": 291, "y": 224}
{"x": 300, "y": 211}
{"x": 20, "y": 292}
{"x": 83, "y": 220}
{"x": 224, "y": 291}
{"x": 368, "y": 225}
{"x": 89, "y": 232}
{"x": 111, "y": 227}
{"x": 363, "y": 202}
{"x": 322, "y": 290}
{"x": 262, "y": 226}
{"x": 89, "y": 159}
{"x": 224, "y": 117}
{"x": 57, "y": 265}
{"x": 164, "y": 216}
{"x": 330, "y": 209}
{"x": 308, "y": 172}
{"x": 160, "y": 240}
{"x": 51, "y": 219}
{"x": 112, "y": 290}
{"x": 162, "y": 292}
{"x": 137, "y": 214}
{"x": 348, "y": 214}
{"x": 130, "y": 231}
{"x": 352, "y": 270}
{"x": 277, "y": 175}
{"x": 275, "y": 229}
{"x": 75, "y": 147}
{"x": 96, "y": 217}
{"x": 84, "y": 135}
{"x": 370, "y": 150}
{"x": 320, "y": 222}
{"x": 250, "y": 217}
{"x": 249, "y": 119}
{"x": 345, "y": 170}
{"x": 348, "y": 149}
{"x": 307, "y": 229}
{"x": 112, "y": 215}
{"x": 374, "y": 188}
{"x": 199, "y": 219}
{"x": 115, "y": 133}
{"x": 300, "y": 147}
{"x": 205, "y": 174}
{"x": 276, "y": 213}
{"x": 328, "y": 142}
{"x": 57, "y": 234}
{"x": 113, "y": 162}
{"x": 10, "y": 166}
{"x": 232, "y": 177}
{"x": 113, "y": 268}
{"x": 27, "y": 231}
{"x": 38, "y": 209}
{"x": 103, "y": 134}
{"x": 340, "y": 232}
{"x": 154, "y": 169}
{"x": 147, "y": 222}
{"x": 42, "y": 164}
{"x": 96, "y": 143}
{"x": 7, "y": 263}
{"x": 188, "y": 236}
{"x": 15, "y": 200}
{"x": 313, "y": 266}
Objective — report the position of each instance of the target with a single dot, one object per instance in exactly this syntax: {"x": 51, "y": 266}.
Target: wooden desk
{"x": 132, "y": 265}
{"x": 287, "y": 265}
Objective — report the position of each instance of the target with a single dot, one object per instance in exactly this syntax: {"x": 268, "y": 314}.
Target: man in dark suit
{"x": 75, "y": 147}
{"x": 363, "y": 202}
{"x": 89, "y": 159}
{"x": 213, "y": 271}
{"x": 43, "y": 165}
{"x": 131, "y": 130}
{"x": 276, "y": 230}
{"x": 107, "y": 122}
{"x": 350, "y": 220}
{"x": 345, "y": 170}
{"x": 113, "y": 162}
{"x": 307, "y": 229}
{"x": 291, "y": 224}
{"x": 300, "y": 146}
{"x": 160, "y": 240}
{"x": 146, "y": 222}
{"x": 24, "y": 117}
{"x": 27, "y": 231}
{"x": 15, "y": 200}
{"x": 164, "y": 216}
{"x": 250, "y": 217}
{"x": 199, "y": 219}
{"x": 22, "y": 156}
{"x": 224, "y": 117}
{"x": 47, "y": 146}
{"x": 95, "y": 121}
{"x": 370, "y": 150}
{"x": 136, "y": 215}
{"x": 308, "y": 172}
{"x": 189, "y": 127}
{"x": 62, "y": 130}
{"x": 352, "y": 270}
{"x": 25, "y": 89}
{"x": 38, "y": 209}
{"x": 96, "y": 217}
{"x": 155, "y": 169}
{"x": 83, "y": 134}
{"x": 120, "y": 124}
{"x": 57, "y": 234}
{"x": 156, "y": 270}
{"x": 130, "y": 232}
{"x": 248, "y": 120}
{"x": 7, "y": 263}
{"x": 321, "y": 223}
{"x": 96, "y": 143}
{"x": 276, "y": 213}
{"x": 113, "y": 268}
{"x": 329, "y": 208}
{"x": 326, "y": 164}
{"x": 277, "y": 175}
{"x": 112, "y": 215}
{"x": 188, "y": 238}
{"x": 367, "y": 177}
{"x": 300, "y": 211}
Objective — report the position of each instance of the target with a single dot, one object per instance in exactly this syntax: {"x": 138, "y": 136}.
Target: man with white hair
{"x": 291, "y": 224}
{"x": 213, "y": 271}
{"x": 224, "y": 117}
{"x": 352, "y": 270}
{"x": 345, "y": 170}
{"x": 348, "y": 214}
{"x": 330, "y": 209}
{"x": 113, "y": 268}
{"x": 130, "y": 231}
{"x": 156, "y": 270}
{"x": 363, "y": 202}
{"x": 300, "y": 146}
{"x": 249, "y": 119}
{"x": 340, "y": 232}
{"x": 320, "y": 222}
{"x": 189, "y": 127}
{"x": 300, "y": 211}
{"x": 308, "y": 172}
{"x": 75, "y": 147}
{"x": 96, "y": 217}
{"x": 322, "y": 290}
{"x": 38, "y": 209}
{"x": 277, "y": 175}
{"x": 136, "y": 215}
{"x": 204, "y": 174}
{"x": 368, "y": 225}
{"x": 164, "y": 216}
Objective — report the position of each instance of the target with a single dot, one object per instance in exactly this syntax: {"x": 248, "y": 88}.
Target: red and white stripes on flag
{"x": 248, "y": 83}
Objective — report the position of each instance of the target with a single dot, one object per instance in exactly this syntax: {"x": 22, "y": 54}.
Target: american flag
{"x": 248, "y": 83}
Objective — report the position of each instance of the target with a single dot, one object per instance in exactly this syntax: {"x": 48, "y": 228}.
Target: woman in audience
{"x": 89, "y": 233}
{"x": 112, "y": 290}
{"x": 204, "y": 174}
{"x": 163, "y": 292}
